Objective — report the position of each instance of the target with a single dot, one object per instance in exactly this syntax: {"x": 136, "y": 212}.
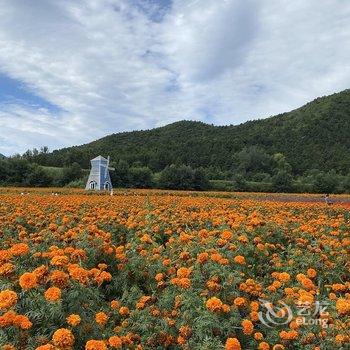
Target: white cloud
{"x": 111, "y": 66}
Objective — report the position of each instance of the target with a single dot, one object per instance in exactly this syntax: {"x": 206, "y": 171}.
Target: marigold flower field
{"x": 168, "y": 270}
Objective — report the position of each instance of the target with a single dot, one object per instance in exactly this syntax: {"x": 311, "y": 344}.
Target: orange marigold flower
{"x": 63, "y": 338}
{"x": 8, "y": 347}
{"x": 115, "y": 342}
{"x": 239, "y": 259}
{"x": 202, "y": 257}
{"x": 101, "y": 318}
{"x": 183, "y": 272}
{"x": 214, "y": 304}
{"x": 283, "y": 277}
{"x": 59, "y": 278}
{"x": 159, "y": 277}
{"x": 95, "y": 345}
{"x": 226, "y": 235}
{"x": 28, "y": 280}
{"x": 239, "y": 301}
{"x": 19, "y": 249}
{"x": 258, "y": 336}
{"x": 264, "y": 346}
{"x": 311, "y": 273}
{"x": 291, "y": 335}
{"x": 184, "y": 282}
{"x": 115, "y": 304}
{"x": 7, "y": 319}
{"x": 6, "y": 269}
{"x": 53, "y": 294}
{"x": 8, "y": 298}
{"x": 278, "y": 347}
{"x": 22, "y": 321}
{"x": 247, "y": 326}
{"x": 45, "y": 347}
{"x": 307, "y": 283}
{"x": 73, "y": 320}
{"x": 59, "y": 260}
{"x": 124, "y": 311}
{"x": 343, "y": 306}
{"x": 232, "y": 344}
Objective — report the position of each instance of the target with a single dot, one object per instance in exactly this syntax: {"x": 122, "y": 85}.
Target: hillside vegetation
{"x": 315, "y": 136}
{"x": 305, "y": 150}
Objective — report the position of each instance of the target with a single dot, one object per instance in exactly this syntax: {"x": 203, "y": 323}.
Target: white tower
{"x": 99, "y": 178}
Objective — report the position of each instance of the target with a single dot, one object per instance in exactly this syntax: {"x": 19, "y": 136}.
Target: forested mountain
{"x": 315, "y": 136}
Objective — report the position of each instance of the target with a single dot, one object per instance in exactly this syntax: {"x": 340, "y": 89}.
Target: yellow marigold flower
{"x": 8, "y": 298}
{"x": 247, "y": 326}
{"x": 95, "y": 345}
{"x": 53, "y": 294}
{"x": 28, "y": 280}
{"x": 73, "y": 320}
{"x": 115, "y": 342}
{"x": 233, "y": 344}
{"x": 101, "y": 318}
{"x": 63, "y": 338}
{"x": 214, "y": 304}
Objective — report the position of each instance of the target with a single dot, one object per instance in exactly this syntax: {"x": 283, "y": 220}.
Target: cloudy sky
{"x": 73, "y": 71}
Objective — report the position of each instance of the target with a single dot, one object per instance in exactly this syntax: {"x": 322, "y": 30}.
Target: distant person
{"x": 327, "y": 199}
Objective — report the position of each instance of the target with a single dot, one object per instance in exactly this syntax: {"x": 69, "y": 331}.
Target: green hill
{"x": 315, "y": 136}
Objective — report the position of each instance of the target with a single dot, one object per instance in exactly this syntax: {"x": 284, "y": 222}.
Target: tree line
{"x": 253, "y": 170}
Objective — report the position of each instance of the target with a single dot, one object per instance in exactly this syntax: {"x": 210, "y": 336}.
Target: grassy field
{"x": 151, "y": 269}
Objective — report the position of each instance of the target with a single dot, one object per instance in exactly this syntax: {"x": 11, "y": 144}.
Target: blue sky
{"x": 73, "y": 71}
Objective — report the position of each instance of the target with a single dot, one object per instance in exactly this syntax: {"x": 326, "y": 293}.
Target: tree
{"x": 252, "y": 160}
{"x": 71, "y": 173}
{"x": 176, "y": 177}
{"x": 183, "y": 177}
{"x": 201, "y": 181}
{"x": 282, "y": 181}
{"x": 281, "y": 162}
{"x": 325, "y": 182}
{"x": 141, "y": 177}
{"x": 121, "y": 175}
{"x": 39, "y": 177}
